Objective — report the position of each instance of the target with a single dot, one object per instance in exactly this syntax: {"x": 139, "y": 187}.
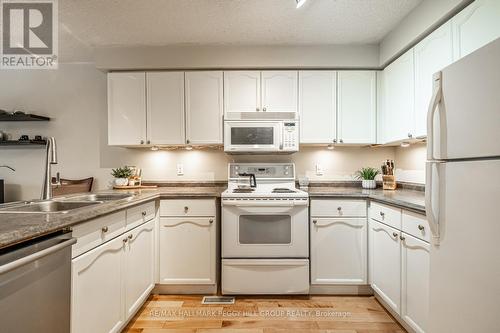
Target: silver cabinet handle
{"x": 257, "y": 109}
{"x": 211, "y": 221}
{"x": 382, "y": 214}
{"x": 339, "y": 208}
{"x": 125, "y": 240}
{"x": 187, "y": 141}
{"x": 341, "y": 140}
{"x": 410, "y": 135}
{"x": 264, "y": 109}
{"x": 142, "y": 142}
{"x": 143, "y": 213}
{"x": 334, "y": 140}
{"x": 395, "y": 234}
{"x": 149, "y": 141}
{"x": 315, "y": 221}
{"x": 402, "y": 238}
{"x": 130, "y": 236}
{"x": 420, "y": 227}
{"x": 186, "y": 208}
{"x": 104, "y": 229}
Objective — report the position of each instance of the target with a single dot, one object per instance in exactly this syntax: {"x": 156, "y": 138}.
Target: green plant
{"x": 367, "y": 173}
{"x": 124, "y": 172}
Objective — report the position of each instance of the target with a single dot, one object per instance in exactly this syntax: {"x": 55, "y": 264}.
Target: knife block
{"x": 389, "y": 182}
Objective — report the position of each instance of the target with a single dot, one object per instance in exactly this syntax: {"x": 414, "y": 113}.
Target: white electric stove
{"x": 265, "y": 238}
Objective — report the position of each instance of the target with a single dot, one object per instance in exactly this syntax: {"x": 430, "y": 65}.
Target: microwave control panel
{"x": 290, "y": 135}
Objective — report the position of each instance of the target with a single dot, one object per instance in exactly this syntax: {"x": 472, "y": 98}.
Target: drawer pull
{"x": 186, "y": 208}
{"x": 420, "y": 227}
{"x": 104, "y": 229}
{"x": 130, "y": 236}
{"x": 211, "y": 221}
{"x": 125, "y": 240}
{"x": 382, "y": 214}
{"x": 402, "y": 238}
{"x": 144, "y": 213}
{"x": 395, "y": 234}
{"x": 339, "y": 208}
{"x": 315, "y": 221}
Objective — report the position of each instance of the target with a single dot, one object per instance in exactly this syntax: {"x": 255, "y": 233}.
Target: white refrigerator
{"x": 463, "y": 195}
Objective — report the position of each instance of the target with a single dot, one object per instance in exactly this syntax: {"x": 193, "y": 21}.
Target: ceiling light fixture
{"x": 300, "y": 3}
{"x": 405, "y": 144}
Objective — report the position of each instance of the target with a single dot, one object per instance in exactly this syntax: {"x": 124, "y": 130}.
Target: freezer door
{"x": 466, "y": 116}
{"x": 465, "y": 266}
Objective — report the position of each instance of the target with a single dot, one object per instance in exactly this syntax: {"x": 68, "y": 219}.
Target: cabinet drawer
{"x": 95, "y": 232}
{"x": 338, "y": 208}
{"x": 190, "y": 207}
{"x": 140, "y": 214}
{"x": 416, "y": 225}
{"x": 386, "y": 214}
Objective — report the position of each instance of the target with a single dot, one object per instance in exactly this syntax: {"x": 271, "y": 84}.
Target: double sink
{"x": 64, "y": 205}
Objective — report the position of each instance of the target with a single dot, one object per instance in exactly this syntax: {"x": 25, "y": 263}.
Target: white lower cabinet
{"x": 139, "y": 266}
{"x": 111, "y": 281}
{"x": 415, "y": 263}
{"x": 338, "y": 251}
{"x": 385, "y": 263}
{"x": 97, "y": 293}
{"x": 399, "y": 269}
{"x": 187, "y": 250}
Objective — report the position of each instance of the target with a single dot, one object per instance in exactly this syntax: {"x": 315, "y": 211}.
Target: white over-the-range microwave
{"x": 261, "y": 136}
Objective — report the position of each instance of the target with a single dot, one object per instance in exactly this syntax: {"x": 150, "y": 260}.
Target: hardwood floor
{"x": 315, "y": 314}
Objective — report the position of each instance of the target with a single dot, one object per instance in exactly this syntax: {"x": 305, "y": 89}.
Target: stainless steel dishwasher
{"x": 35, "y": 286}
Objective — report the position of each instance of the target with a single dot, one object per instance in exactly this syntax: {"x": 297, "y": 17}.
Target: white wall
{"x": 74, "y": 96}
{"x": 410, "y": 163}
{"x": 418, "y": 23}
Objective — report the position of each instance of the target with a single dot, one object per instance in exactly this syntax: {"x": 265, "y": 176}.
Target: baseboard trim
{"x": 340, "y": 290}
{"x": 185, "y": 289}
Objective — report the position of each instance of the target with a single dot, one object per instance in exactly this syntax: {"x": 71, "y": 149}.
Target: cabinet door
{"x": 357, "y": 107}
{"x": 317, "y": 106}
{"x": 385, "y": 263}
{"x": 126, "y": 108}
{"x": 97, "y": 303}
{"x": 399, "y": 98}
{"x": 187, "y": 250}
{"x": 338, "y": 251}
{"x": 139, "y": 266}
{"x": 431, "y": 55}
{"x": 279, "y": 91}
{"x": 165, "y": 96}
{"x": 241, "y": 92}
{"x": 204, "y": 107}
{"x": 475, "y": 26}
{"x": 415, "y": 282}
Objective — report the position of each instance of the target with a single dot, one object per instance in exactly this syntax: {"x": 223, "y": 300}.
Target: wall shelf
{"x": 30, "y": 143}
{"x": 22, "y": 117}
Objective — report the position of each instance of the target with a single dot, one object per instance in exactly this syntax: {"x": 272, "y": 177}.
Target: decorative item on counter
{"x": 367, "y": 176}
{"x": 135, "y": 178}
{"x": 304, "y": 183}
{"x": 388, "y": 179}
{"x": 121, "y": 175}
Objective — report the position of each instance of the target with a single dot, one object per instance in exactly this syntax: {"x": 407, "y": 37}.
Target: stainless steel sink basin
{"x": 47, "y": 206}
{"x": 101, "y": 197}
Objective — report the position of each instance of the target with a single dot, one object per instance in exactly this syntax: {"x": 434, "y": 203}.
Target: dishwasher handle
{"x": 35, "y": 256}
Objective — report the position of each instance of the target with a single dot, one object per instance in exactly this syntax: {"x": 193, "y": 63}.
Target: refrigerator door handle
{"x": 430, "y": 193}
{"x": 436, "y": 98}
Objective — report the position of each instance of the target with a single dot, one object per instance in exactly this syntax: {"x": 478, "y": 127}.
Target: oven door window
{"x": 252, "y": 136}
{"x": 265, "y": 229}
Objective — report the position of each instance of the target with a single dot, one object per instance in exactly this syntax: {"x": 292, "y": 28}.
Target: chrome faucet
{"x": 51, "y": 158}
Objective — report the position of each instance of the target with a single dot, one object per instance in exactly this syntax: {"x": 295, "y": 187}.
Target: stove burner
{"x": 283, "y": 190}
{"x": 243, "y": 190}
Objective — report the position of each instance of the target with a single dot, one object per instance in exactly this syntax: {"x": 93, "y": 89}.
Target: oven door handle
{"x": 264, "y": 203}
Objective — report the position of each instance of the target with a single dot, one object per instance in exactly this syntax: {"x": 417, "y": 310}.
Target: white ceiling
{"x": 85, "y": 24}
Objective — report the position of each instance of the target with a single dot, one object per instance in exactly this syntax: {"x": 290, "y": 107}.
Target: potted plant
{"x": 367, "y": 176}
{"x": 121, "y": 175}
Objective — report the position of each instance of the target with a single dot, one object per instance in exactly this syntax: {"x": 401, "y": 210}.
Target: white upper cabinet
{"x": 241, "y": 91}
{"x": 385, "y": 263}
{"x": 475, "y": 26}
{"x": 165, "y": 111}
{"x": 279, "y": 91}
{"x": 126, "y": 108}
{"x": 415, "y": 282}
{"x": 338, "y": 251}
{"x": 431, "y": 55}
{"x": 204, "y": 107}
{"x": 357, "y": 107}
{"x": 317, "y": 105}
{"x": 399, "y": 96}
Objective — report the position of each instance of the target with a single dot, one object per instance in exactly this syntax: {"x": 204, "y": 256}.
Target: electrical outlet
{"x": 319, "y": 170}
{"x": 180, "y": 169}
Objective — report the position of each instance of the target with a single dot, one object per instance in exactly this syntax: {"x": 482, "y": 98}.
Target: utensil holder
{"x": 389, "y": 182}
